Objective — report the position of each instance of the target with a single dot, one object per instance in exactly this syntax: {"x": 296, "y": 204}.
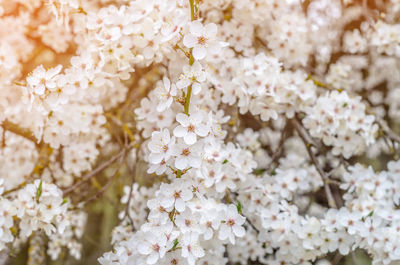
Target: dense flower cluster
{"x": 37, "y": 206}
{"x": 339, "y": 120}
{"x": 241, "y": 127}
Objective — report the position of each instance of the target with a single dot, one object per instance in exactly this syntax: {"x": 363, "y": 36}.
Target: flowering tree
{"x": 224, "y": 131}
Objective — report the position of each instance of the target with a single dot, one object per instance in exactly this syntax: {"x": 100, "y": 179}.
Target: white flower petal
{"x": 196, "y": 88}
{"x": 144, "y": 249}
{"x": 180, "y": 131}
{"x": 195, "y": 162}
{"x": 196, "y": 28}
{"x": 202, "y": 130}
{"x": 152, "y": 258}
{"x": 190, "y": 138}
{"x": 238, "y": 230}
{"x": 183, "y": 119}
{"x": 190, "y": 41}
{"x": 181, "y": 163}
{"x": 210, "y": 30}
{"x": 155, "y": 158}
{"x": 179, "y": 205}
{"x": 197, "y": 251}
{"x": 199, "y": 52}
{"x": 165, "y": 136}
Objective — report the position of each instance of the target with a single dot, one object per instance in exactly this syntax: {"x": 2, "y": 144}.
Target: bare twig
{"x": 278, "y": 151}
{"x": 20, "y": 186}
{"x": 110, "y": 180}
{"x": 95, "y": 171}
{"x": 251, "y": 224}
{"x": 389, "y": 132}
{"x": 132, "y": 172}
{"x": 304, "y": 136}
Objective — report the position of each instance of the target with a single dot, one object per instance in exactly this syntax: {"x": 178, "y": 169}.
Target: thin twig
{"x": 304, "y": 136}
{"x": 389, "y": 132}
{"x": 132, "y": 172}
{"x": 278, "y": 151}
{"x": 20, "y": 186}
{"x": 251, "y": 224}
{"x": 95, "y": 172}
{"x": 105, "y": 187}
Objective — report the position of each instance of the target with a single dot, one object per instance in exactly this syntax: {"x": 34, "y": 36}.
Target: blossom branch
{"x": 191, "y": 60}
{"x": 14, "y": 128}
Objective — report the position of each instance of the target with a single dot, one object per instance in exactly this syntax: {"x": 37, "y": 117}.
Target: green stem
{"x": 191, "y": 9}
{"x": 191, "y": 62}
{"x": 187, "y": 101}
{"x": 191, "y": 58}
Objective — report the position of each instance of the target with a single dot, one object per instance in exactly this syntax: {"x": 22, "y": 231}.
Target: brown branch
{"x": 304, "y": 136}
{"x": 20, "y": 186}
{"x": 14, "y": 128}
{"x": 251, "y": 224}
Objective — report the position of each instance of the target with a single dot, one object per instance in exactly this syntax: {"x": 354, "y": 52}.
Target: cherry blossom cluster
{"x": 330, "y": 119}
{"x": 38, "y": 206}
{"x": 237, "y": 131}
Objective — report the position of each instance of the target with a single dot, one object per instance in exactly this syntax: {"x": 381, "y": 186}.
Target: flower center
{"x": 186, "y": 152}
{"x": 156, "y": 247}
{"x": 201, "y": 40}
{"x": 177, "y": 195}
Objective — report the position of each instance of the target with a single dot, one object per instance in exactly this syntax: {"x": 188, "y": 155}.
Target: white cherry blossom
{"x": 202, "y": 39}
{"x": 191, "y": 126}
{"x": 161, "y": 146}
{"x": 231, "y": 225}
{"x": 192, "y": 76}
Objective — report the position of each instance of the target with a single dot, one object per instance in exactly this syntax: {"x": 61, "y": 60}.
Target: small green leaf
{"x": 344, "y": 105}
{"x": 39, "y": 191}
{"x": 259, "y": 171}
{"x": 239, "y": 207}
{"x": 65, "y": 200}
{"x": 174, "y": 247}
{"x": 225, "y": 161}
{"x": 176, "y": 242}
